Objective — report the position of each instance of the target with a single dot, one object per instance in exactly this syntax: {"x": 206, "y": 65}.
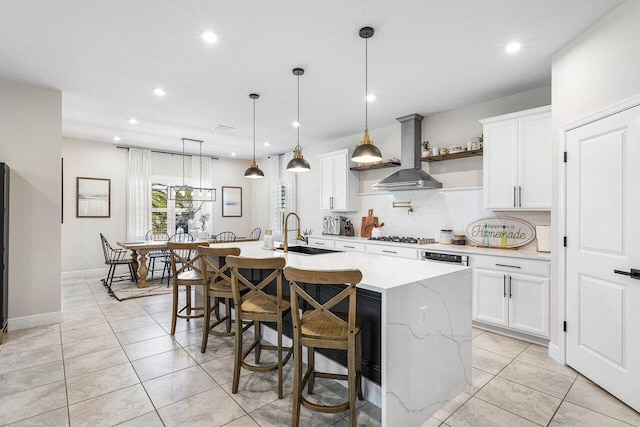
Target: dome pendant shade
{"x": 298, "y": 163}
{"x": 254, "y": 171}
{"x": 366, "y": 152}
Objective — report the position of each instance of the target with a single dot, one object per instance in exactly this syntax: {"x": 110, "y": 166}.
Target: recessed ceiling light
{"x": 266, "y": 143}
{"x": 371, "y": 97}
{"x": 133, "y": 121}
{"x": 295, "y": 124}
{"x": 513, "y": 47}
{"x": 233, "y": 154}
{"x": 209, "y": 36}
{"x": 116, "y": 138}
{"x": 159, "y": 91}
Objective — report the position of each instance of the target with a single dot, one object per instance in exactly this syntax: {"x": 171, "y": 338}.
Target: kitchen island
{"x": 425, "y": 327}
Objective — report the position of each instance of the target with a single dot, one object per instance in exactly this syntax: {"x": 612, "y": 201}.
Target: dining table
{"x": 140, "y": 248}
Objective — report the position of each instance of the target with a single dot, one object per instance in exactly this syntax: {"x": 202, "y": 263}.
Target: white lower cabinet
{"x": 489, "y": 297}
{"x": 350, "y": 246}
{"x": 517, "y": 301}
{"x": 395, "y": 251}
{"x": 321, "y": 243}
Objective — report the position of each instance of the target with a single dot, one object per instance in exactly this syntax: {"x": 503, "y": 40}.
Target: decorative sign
{"x": 500, "y": 232}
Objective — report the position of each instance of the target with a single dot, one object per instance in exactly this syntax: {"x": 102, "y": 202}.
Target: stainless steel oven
{"x": 444, "y": 257}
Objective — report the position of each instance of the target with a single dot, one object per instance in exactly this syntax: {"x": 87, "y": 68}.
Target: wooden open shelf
{"x": 461, "y": 155}
{"x": 380, "y": 165}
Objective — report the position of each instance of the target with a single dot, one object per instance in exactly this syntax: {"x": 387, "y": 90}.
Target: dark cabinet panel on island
{"x": 368, "y": 303}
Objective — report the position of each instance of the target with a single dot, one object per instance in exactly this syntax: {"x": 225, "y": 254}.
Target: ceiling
{"x": 426, "y": 56}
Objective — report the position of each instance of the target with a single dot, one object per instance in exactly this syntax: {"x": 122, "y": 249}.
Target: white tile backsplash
{"x": 433, "y": 210}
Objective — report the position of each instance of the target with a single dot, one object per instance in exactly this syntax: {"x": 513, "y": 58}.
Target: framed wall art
{"x": 231, "y": 201}
{"x": 93, "y": 197}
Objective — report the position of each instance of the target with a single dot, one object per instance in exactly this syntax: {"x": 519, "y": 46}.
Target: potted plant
{"x": 426, "y": 149}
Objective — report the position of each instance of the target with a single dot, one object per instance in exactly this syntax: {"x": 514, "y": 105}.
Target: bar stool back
{"x": 321, "y": 327}
{"x": 186, "y": 272}
{"x": 217, "y": 284}
{"x": 258, "y": 306}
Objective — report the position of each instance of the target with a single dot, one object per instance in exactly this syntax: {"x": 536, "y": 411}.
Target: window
{"x": 169, "y": 215}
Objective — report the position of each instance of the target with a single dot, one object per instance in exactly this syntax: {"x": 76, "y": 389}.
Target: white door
{"x": 529, "y": 304}
{"x": 534, "y": 164}
{"x": 500, "y": 164}
{"x": 326, "y": 182}
{"x": 603, "y": 235}
{"x": 490, "y": 299}
{"x": 340, "y": 177}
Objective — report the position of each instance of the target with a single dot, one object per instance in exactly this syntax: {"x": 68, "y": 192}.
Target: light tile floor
{"x": 114, "y": 363}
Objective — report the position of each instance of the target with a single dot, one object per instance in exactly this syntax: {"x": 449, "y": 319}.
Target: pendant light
{"x": 366, "y": 152}
{"x": 298, "y": 163}
{"x": 188, "y": 193}
{"x": 254, "y": 171}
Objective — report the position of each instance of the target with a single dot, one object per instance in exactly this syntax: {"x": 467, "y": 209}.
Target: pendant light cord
{"x": 183, "y": 164}
{"x": 298, "y": 147}
{"x": 254, "y": 130}
{"x": 366, "y": 83}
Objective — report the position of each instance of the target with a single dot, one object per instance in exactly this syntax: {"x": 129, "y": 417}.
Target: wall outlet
{"x": 423, "y": 315}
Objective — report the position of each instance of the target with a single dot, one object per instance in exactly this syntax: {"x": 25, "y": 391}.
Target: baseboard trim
{"x": 96, "y": 272}
{"x": 372, "y": 391}
{"x": 26, "y": 322}
{"x": 554, "y": 353}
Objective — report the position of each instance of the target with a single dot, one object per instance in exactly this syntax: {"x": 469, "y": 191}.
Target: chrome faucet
{"x": 285, "y": 243}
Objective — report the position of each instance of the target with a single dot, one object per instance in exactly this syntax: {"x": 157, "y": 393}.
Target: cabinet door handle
{"x": 514, "y": 196}
{"x": 519, "y": 196}
{"x": 510, "y": 292}
{"x": 389, "y": 252}
{"x": 319, "y": 243}
{"x": 507, "y": 265}
{"x": 347, "y": 246}
{"x": 504, "y": 286}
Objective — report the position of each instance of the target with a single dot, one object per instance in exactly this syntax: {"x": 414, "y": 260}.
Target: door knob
{"x": 634, "y": 274}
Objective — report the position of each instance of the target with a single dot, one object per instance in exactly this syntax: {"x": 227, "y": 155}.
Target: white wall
{"x": 30, "y": 143}
{"x": 81, "y": 250}
{"x": 443, "y": 130}
{"x": 597, "y": 69}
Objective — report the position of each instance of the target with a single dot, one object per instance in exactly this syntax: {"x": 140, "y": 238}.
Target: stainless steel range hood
{"x": 411, "y": 176}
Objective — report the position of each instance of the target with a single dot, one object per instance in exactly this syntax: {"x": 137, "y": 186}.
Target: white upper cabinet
{"x": 338, "y": 184}
{"x": 517, "y": 160}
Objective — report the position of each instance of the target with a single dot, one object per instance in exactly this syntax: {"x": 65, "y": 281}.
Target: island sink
{"x": 308, "y": 250}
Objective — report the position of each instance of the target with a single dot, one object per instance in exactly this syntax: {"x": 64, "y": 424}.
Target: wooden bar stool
{"x": 217, "y": 284}
{"x": 186, "y": 272}
{"x": 258, "y": 306}
{"x": 323, "y": 328}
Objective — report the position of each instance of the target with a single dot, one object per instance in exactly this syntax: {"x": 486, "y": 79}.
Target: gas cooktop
{"x": 399, "y": 239}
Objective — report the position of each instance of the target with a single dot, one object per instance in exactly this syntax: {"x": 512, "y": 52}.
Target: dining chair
{"x": 153, "y": 255}
{"x": 225, "y": 237}
{"x": 114, "y": 258}
{"x": 255, "y": 233}
{"x": 217, "y": 285}
{"x": 258, "y": 306}
{"x": 187, "y": 272}
{"x": 179, "y": 238}
{"x": 323, "y": 327}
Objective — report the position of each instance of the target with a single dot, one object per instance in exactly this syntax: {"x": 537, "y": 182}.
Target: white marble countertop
{"x": 379, "y": 272}
{"x": 465, "y": 249}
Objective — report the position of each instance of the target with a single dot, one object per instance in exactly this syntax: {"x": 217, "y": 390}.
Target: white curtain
{"x": 272, "y": 173}
{"x": 203, "y": 177}
{"x": 139, "y": 194}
